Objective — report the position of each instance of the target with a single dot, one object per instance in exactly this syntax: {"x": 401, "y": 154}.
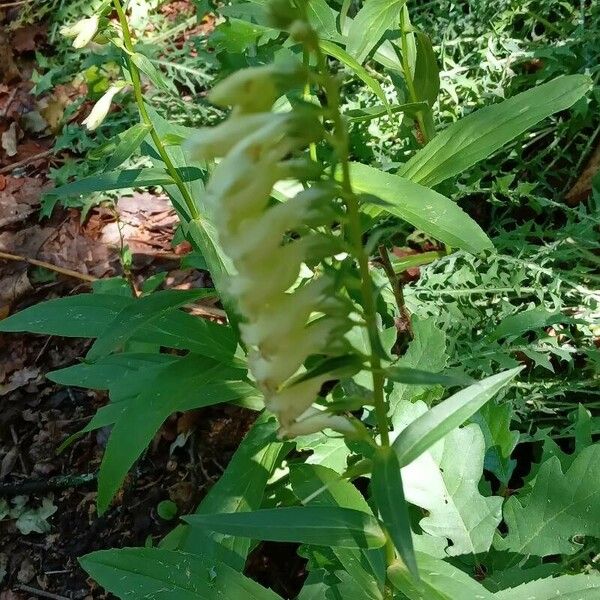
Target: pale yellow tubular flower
{"x": 295, "y": 400}
{"x": 216, "y": 142}
{"x": 316, "y": 420}
{"x": 266, "y": 233}
{"x": 285, "y": 312}
{"x": 262, "y": 277}
{"x": 101, "y": 108}
{"x": 274, "y": 369}
{"x": 255, "y": 89}
{"x": 83, "y": 31}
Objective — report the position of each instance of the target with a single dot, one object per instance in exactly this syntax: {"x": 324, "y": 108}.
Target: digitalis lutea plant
{"x": 285, "y": 321}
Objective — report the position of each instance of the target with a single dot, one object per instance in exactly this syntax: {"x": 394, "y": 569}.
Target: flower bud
{"x": 316, "y": 420}
{"x": 214, "y": 142}
{"x": 255, "y": 89}
{"x": 101, "y": 108}
{"x": 83, "y": 31}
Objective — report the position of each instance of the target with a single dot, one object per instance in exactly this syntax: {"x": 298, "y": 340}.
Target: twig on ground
{"x": 25, "y": 161}
{"x": 33, "y": 486}
{"x": 41, "y": 593}
{"x": 49, "y": 266}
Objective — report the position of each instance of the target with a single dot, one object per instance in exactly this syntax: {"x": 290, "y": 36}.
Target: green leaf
{"x": 328, "y": 451}
{"x": 481, "y": 133}
{"x": 166, "y": 575}
{"x": 386, "y": 483}
{"x": 528, "y": 320}
{"x": 121, "y": 179}
{"x": 340, "y": 54}
{"x": 167, "y": 510}
{"x": 318, "y": 525}
{"x": 145, "y": 65}
{"x": 189, "y": 383}
{"x": 439, "y": 581}
{"x": 446, "y": 416}
{"x": 444, "y": 482}
{"x": 88, "y": 315}
{"x": 110, "y": 372}
{"x": 138, "y": 315}
{"x": 494, "y": 419}
{"x": 423, "y": 208}
{"x": 129, "y": 142}
{"x": 316, "y": 485}
{"x": 427, "y": 350}
{"x": 360, "y": 115}
{"x": 239, "y": 489}
{"x": 411, "y": 376}
{"x": 83, "y": 315}
{"x": 566, "y": 587}
{"x": 322, "y": 17}
{"x": 559, "y": 507}
{"x": 427, "y": 74}
{"x": 372, "y": 21}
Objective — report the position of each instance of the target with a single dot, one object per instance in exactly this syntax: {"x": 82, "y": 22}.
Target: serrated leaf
{"x": 439, "y": 581}
{"x": 444, "y": 482}
{"x": 318, "y": 525}
{"x": 566, "y": 587}
{"x": 169, "y": 575}
{"x": 559, "y": 507}
{"x": 427, "y": 351}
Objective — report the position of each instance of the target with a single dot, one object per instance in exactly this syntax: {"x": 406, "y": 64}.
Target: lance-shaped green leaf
{"x": 316, "y": 485}
{"x": 340, "y": 54}
{"x": 189, "y": 383}
{"x": 422, "y": 207}
{"x": 372, "y": 21}
{"x": 559, "y": 507}
{"x": 128, "y": 143}
{"x": 386, "y": 483}
{"x": 239, "y": 489}
{"x": 412, "y": 376}
{"x": 318, "y": 525}
{"x": 446, "y": 416}
{"x": 481, "y": 133}
{"x": 168, "y": 575}
{"x": 118, "y": 180}
{"x": 137, "y": 315}
{"x": 439, "y": 581}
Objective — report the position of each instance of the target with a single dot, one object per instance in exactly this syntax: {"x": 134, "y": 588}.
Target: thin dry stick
{"x": 25, "y": 161}
{"x": 49, "y": 266}
{"x": 41, "y": 593}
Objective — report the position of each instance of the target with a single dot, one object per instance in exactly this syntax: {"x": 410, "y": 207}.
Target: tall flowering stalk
{"x": 287, "y": 318}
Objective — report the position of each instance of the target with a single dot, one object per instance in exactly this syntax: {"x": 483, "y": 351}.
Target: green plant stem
{"x": 408, "y": 77}
{"x": 342, "y": 147}
{"x": 139, "y": 99}
{"x": 367, "y": 291}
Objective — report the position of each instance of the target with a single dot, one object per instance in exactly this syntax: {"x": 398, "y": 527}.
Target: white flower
{"x": 293, "y": 401}
{"x": 101, "y": 108}
{"x": 83, "y": 31}
{"x": 316, "y": 420}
